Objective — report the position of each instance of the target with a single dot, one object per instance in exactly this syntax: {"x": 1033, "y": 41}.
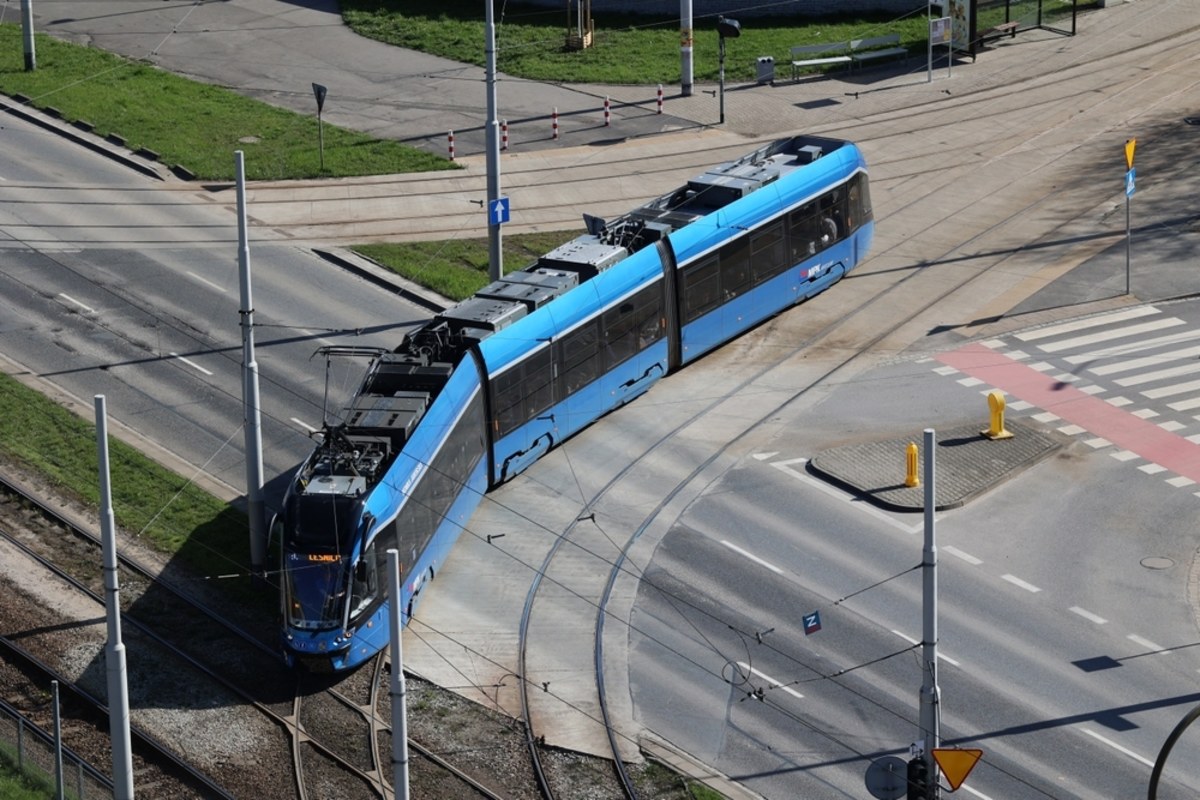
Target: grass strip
{"x": 196, "y": 125}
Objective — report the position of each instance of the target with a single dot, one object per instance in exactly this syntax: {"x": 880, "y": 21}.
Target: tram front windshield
{"x": 316, "y": 587}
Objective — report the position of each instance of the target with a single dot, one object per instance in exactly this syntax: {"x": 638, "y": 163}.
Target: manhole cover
{"x": 1157, "y": 562}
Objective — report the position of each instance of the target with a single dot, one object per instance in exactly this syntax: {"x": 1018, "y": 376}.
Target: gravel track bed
{"x": 235, "y": 744}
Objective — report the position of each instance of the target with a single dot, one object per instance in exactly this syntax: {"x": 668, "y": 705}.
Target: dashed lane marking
{"x": 191, "y": 363}
{"x": 1015, "y": 581}
{"x": 1118, "y": 747}
{"x": 774, "y": 683}
{"x": 1096, "y": 618}
{"x": 752, "y": 557}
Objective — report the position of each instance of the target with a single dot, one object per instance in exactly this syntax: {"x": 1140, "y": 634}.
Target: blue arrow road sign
{"x": 1129, "y": 176}
{"x": 498, "y": 211}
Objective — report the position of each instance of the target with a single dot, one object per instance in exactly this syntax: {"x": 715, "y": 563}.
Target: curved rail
{"x": 291, "y": 724}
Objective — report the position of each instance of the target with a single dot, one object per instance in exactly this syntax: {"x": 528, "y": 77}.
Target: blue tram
{"x": 485, "y": 388}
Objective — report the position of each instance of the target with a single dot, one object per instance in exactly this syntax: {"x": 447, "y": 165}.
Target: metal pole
{"x": 721, "y": 74}
{"x": 929, "y": 41}
{"x": 27, "y": 35}
{"x": 399, "y": 709}
{"x": 59, "y": 789}
{"x": 685, "y": 48}
{"x": 929, "y": 689}
{"x": 114, "y": 649}
{"x": 251, "y": 409}
{"x": 495, "y": 250}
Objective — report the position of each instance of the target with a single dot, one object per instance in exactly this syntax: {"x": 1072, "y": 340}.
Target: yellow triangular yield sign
{"x": 956, "y": 764}
{"x": 1130, "y": 146}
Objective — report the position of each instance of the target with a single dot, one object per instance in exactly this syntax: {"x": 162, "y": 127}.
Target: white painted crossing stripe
{"x": 1145, "y": 413}
{"x": 946, "y": 370}
{"x": 770, "y": 680}
{"x": 752, "y": 557}
{"x": 1152, "y": 469}
{"x": 1185, "y": 405}
{"x": 1084, "y": 324}
{"x": 207, "y": 282}
{"x": 1093, "y": 389}
{"x": 1180, "y": 481}
{"x": 1097, "y": 442}
{"x": 75, "y": 302}
{"x": 1146, "y": 361}
{"x": 1124, "y": 455}
{"x": 1146, "y": 643}
{"x": 967, "y": 557}
{"x": 1171, "y": 425}
{"x": 1159, "y": 375}
{"x": 1043, "y": 366}
{"x": 1134, "y": 347}
{"x": 1118, "y": 401}
{"x": 1071, "y": 430}
{"x": 911, "y": 640}
{"x": 1118, "y": 747}
{"x": 191, "y": 363}
{"x": 969, "y": 381}
{"x": 1109, "y": 335}
{"x": 1015, "y": 581}
{"x": 1175, "y": 388}
{"x": 1096, "y": 618}
{"x": 303, "y": 424}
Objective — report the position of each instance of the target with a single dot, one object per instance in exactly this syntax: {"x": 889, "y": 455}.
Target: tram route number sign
{"x": 812, "y": 623}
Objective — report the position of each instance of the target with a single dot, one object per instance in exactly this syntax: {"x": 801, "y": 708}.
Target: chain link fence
{"x": 26, "y": 748}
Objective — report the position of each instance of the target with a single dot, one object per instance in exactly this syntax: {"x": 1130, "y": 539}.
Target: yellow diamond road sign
{"x": 956, "y": 764}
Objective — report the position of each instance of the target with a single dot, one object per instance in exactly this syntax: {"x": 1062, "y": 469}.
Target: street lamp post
{"x": 726, "y": 29}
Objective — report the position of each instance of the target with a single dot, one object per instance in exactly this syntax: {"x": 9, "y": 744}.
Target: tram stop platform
{"x": 967, "y": 464}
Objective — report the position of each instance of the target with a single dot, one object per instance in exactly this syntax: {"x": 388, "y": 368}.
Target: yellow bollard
{"x": 996, "y": 406}
{"x": 911, "y": 479}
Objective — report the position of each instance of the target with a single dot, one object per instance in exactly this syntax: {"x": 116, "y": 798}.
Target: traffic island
{"x": 968, "y": 464}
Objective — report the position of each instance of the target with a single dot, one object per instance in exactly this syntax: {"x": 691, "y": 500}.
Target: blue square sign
{"x": 812, "y": 623}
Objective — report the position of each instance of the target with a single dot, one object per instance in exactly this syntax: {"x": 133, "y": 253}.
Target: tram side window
{"x": 859, "y": 201}
{"x": 539, "y": 383}
{"x": 768, "y": 254}
{"x": 579, "y": 358}
{"x": 804, "y": 232}
{"x": 365, "y": 582}
{"x": 634, "y": 324}
{"x": 506, "y": 400}
{"x": 701, "y": 288}
{"x": 735, "y": 267}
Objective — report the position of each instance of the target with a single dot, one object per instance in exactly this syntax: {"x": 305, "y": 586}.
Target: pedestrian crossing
{"x": 1143, "y": 361}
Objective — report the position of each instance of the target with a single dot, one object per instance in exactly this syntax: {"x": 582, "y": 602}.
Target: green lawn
{"x": 628, "y": 49}
{"x": 193, "y": 124}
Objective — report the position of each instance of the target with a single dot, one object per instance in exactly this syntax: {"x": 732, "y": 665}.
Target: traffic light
{"x": 918, "y": 779}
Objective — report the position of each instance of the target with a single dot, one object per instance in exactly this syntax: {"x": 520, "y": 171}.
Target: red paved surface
{"x": 1103, "y": 419}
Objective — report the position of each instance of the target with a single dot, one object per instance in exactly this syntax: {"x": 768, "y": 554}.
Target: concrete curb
{"x": 88, "y": 140}
{"x": 381, "y": 276}
{"x": 658, "y": 749}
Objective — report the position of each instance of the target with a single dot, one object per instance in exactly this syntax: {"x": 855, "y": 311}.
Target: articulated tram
{"x": 485, "y": 388}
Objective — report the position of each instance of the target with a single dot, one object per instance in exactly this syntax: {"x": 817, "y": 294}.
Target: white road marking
{"x": 1118, "y": 747}
{"x": 1109, "y": 335}
{"x": 967, "y": 557}
{"x": 975, "y": 792}
{"x": 303, "y": 424}
{"x": 1096, "y": 618}
{"x": 752, "y": 557}
{"x": 1146, "y": 643}
{"x": 313, "y": 334}
{"x": 770, "y": 680}
{"x": 1175, "y": 388}
{"x": 207, "y": 282}
{"x": 1090, "y": 322}
{"x": 75, "y": 302}
{"x": 1131, "y": 364}
{"x": 1135, "y": 347}
{"x": 940, "y": 656}
{"x": 765, "y": 456}
{"x": 1015, "y": 581}
{"x": 191, "y": 363}
{"x": 786, "y": 467}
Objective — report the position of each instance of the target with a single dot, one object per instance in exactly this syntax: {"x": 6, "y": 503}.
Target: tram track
{"x": 838, "y": 360}
{"x": 334, "y": 741}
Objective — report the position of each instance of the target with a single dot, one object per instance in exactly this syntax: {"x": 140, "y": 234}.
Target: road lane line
{"x": 303, "y": 424}
{"x": 1146, "y": 643}
{"x": 207, "y": 282}
{"x": 770, "y": 680}
{"x": 191, "y": 363}
{"x": 1015, "y": 581}
{"x": 752, "y": 557}
{"x": 967, "y": 557}
{"x": 1118, "y": 747}
{"x": 975, "y": 792}
{"x": 911, "y": 640}
{"x": 75, "y": 302}
{"x": 1096, "y": 618}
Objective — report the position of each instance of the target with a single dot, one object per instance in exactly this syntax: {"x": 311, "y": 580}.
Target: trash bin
{"x": 766, "y": 69}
